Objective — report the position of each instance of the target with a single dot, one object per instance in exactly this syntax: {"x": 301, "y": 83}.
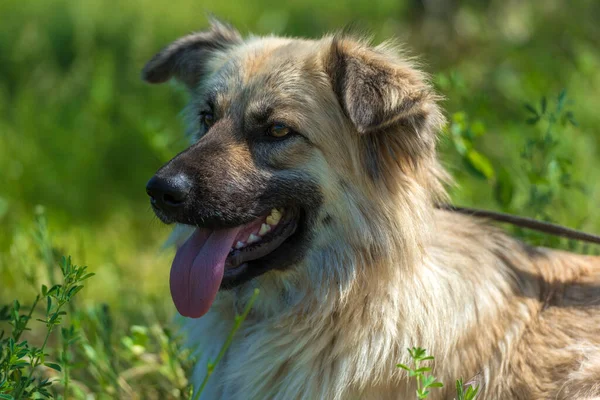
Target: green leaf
{"x": 20, "y": 364}
{"x": 53, "y": 290}
{"x": 467, "y": 393}
{"x": 86, "y": 276}
{"x": 45, "y": 382}
{"x": 543, "y": 104}
{"x": 532, "y": 121}
{"x": 53, "y": 366}
{"x": 90, "y": 353}
{"x": 436, "y": 385}
{"x": 6, "y": 397}
{"x": 478, "y": 128}
{"x": 569, "y": 117}
{"x": 403, "y": 367}
{"x": 55, "y": 318}
{"x": 429, "y": 381}
{"x": 461, "y": 145}
{"x": 479, "y": 165}
{"x": 417, "y": 353}
{"x": 460, "y": 390}
{"x": 471, "y": 392}
{"x": 49, "y": 305}
{"x": 561, "y": 100}
{"x": 73, "y": 291}
{"x": 531, "y": 109}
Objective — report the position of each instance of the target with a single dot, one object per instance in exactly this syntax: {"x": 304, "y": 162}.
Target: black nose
{"x": 168, "y": 193}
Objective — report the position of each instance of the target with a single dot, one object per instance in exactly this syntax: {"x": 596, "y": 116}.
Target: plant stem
{"x": 236, "y": 326}
{"x": 418, "y": 378}
{"x": 36, "y": 361}
{"x": 66, "y": 385}
{"x": 65, "y": 368}
{"x": 20, "y": 332}
{"x": 44, "y": 242}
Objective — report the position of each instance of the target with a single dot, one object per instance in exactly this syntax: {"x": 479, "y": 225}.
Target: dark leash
{"x": 525, "y": 222}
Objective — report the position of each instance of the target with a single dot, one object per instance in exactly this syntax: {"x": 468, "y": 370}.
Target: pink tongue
{"x": 198, "y": 268}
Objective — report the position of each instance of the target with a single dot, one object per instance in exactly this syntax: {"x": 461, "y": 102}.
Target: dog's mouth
{"x": 210, "y": 258}
{"x": 259, "y": 238}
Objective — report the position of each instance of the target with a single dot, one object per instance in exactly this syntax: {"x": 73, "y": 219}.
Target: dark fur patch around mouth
{"x": 163, "y": 217}
{"x": 303, "y": 201}
{"x": 304, "y": 198}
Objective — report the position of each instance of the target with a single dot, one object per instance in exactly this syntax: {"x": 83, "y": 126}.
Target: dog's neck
{"x": 363, "y": 292}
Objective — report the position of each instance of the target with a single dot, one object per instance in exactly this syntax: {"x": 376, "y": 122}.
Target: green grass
{"x": 92, "y": 355}
{"x": 80, "y": 134}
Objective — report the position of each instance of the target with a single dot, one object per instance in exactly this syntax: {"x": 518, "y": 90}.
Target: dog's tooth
{"x": 274, "y": 218}
{"x": 239, "y": 245}
{"x": 252, "y": 238}
{"x": 264, "y": 229}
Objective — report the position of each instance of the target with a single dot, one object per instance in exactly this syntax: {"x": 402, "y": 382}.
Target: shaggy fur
{"x": 384, "y": 270}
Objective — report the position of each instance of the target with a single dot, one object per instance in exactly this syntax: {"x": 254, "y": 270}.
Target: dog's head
{"x": 297, "y": 145}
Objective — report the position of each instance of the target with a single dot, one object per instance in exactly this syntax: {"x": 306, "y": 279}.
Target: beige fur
{"x": 390, "y": 271}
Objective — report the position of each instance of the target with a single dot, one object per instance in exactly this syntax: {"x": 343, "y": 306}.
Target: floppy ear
{"x": 375, "y": 89}
{"x": 185, "y": 58}
{"x": 393, "y": 108}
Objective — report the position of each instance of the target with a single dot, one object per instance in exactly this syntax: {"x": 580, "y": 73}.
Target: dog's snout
{"x": 168, "y": 193}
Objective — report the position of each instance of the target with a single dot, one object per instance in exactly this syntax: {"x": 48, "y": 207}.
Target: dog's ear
{"x": 185, "y": 58}
{"x": 375, "y": 89}
{"x": 393, "y": 108}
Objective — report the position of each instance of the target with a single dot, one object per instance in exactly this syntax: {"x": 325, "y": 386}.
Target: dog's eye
{"x": 279, "y": 131}
{"x": 207, "y": 119}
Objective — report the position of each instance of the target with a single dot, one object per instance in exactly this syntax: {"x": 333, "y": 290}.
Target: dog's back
{"x": 540, "y": 314}
{"x": 559, "y": 353}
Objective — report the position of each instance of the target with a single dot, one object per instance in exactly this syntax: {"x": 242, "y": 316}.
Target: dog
{"x": 313, "y": 176}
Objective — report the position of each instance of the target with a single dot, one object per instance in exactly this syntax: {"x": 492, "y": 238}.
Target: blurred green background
{"x": 81, "y": 134}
